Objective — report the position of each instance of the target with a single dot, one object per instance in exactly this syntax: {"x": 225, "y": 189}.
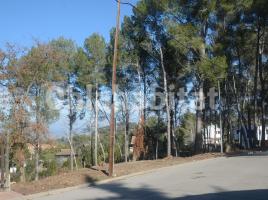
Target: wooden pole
{"x": 112, "y": 125}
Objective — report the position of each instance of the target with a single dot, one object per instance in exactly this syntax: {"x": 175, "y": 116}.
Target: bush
{"x": 30, "y": 170}
{"x": 52, "y": 168}
{"x": 66, "y": 164}
{"x": 15, "y": 177}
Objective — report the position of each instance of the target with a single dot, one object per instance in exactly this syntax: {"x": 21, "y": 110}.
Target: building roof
{"x": 31, "y": 147}
{"x": 64, "y": 152}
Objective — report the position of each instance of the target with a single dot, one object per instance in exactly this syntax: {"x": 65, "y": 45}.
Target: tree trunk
{"x": 2, "y": 164}
{"x": 167, "y": 104}
{"x": 126, "y": 128}
{"x": 158, "y": 133}
{"x": 91, "y": 150}
{"x": 205, "y": 133}
{"x": 243, "y": 130}
{"x": 138, "y": 147}
{"x": 36, "y": 145}
{"x": 22, "y": 174}
{"x": 251, "y": 142}
{"x": 215, "y": 130}
{"x": 7, "y": 174}
{"x": 175, "y": 112}
{"x": 141, "y": 97}
{"x": 198, "y": 123}
{"x": 91, "y": 125}
{"x": 262, "y": 102}
{"x": 72, "y": 153}
{"x": 102, "y": 149}
{"x": 71, "y": 128}
{"x": 256, "y": 84}
{"x": 144, "y": 96}
{"x": 71, "y": 147}
{"x": 156, "y": 149}
{"x": 37, "y": 161}
{"x": 172, "y": 123}
{"x": 96, "y": 125}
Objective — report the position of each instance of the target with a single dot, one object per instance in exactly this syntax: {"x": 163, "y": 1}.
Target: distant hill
{"x": 120, "y": 127}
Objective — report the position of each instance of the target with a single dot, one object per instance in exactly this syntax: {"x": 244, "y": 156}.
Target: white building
{"x": 212, "y": 135}
{"x": 259, "y": 133}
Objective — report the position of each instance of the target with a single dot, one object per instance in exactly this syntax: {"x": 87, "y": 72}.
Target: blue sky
{"x": 22, "y": 21}
{"x": 25, "y": 20}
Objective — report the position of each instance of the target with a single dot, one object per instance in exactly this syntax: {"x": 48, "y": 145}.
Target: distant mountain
{"x": 120, "y": 127}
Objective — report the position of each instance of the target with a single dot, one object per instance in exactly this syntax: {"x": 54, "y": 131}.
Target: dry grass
{"x": 84, "y": 176}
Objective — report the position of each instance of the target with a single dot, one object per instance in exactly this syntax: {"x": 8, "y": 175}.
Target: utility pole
{"x": 220, "y": 117}
{"x": 112, "y": 120}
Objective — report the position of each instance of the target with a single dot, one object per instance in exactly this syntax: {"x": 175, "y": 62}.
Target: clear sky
{"x": 25, "y": 20}
{"x": 22, "y": 21}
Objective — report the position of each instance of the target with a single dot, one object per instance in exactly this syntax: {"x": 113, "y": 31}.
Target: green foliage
{"x": 51, "y": 168}
{"x": 30, "y": 170}
{"x": 95, "y": 51}
{"x": 83, "y": 68}
{"x": 64, "y": 51}
{"x": 66, "y": 165}
{"x": 185, "y": 131}
{"x": 118, "y": 154}
{"x": 155, "y": 133}
{"x": 85, "y": 155}
{"x": 203, "y": 41}
{"x": 185, "y": 37}
{"x": 213, "y": 69}
{"x": 155, "y": 128}
{"x": 48, "y": 155}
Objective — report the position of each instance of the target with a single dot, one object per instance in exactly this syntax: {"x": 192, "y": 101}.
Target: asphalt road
{"x": 238, "y": 178}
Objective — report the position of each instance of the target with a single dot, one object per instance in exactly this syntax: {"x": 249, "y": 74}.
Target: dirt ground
{"x": 84, "y": 176}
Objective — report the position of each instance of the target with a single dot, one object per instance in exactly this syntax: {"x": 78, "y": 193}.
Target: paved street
{"x": 239, "y": 178}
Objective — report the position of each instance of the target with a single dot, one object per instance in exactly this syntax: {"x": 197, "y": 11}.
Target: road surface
{"x": 238, "y": 178}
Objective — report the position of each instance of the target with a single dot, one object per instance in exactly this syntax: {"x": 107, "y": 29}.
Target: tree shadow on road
{"x": 91, "y": 181}
{"x": 234, "y": 195}
{"x": 119, "y": 191}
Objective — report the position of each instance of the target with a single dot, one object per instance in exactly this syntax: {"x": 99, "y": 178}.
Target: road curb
{"x": 67, "y": 189}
